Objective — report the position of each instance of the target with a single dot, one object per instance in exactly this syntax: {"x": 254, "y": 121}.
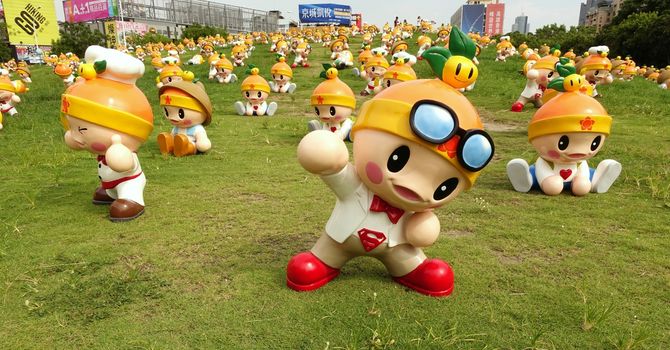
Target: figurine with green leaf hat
{"x": 416, "y": 147}
{"x": 568, "y": 130}
{"x": 256, "y": 90}
{"x": 333, "y": 102}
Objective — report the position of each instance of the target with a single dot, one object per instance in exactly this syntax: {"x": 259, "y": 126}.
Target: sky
{"x": 539, "y": 12}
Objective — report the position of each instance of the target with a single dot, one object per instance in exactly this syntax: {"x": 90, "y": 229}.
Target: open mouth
{"x": 576, "y": 155}
{"x": 406, "y": 193}
{"x": 174, "y": 122}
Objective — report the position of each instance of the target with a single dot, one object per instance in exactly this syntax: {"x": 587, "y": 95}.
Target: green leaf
{"x": 557, "y": 84}
{"x": 323, "y": 75}
{"x": 437, "y": 57}
{"x": 249, "y": 68}
{"x": 327, "y": 66}
{"x": 460, "y": 44}
{"x": 100, "y": 66}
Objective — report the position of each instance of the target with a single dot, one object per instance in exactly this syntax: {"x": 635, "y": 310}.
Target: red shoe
{"x": 517, "y": 107}
{"x": 306, "y": 65}
{"x": 306, "y": 272}
{"x": 294, "y": 65}
{"x": 433, "y": 277}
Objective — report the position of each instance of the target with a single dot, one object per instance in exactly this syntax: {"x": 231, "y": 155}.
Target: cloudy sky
{"x": 539, "y": 12}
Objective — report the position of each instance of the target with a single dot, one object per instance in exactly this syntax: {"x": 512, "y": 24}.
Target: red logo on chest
{"x": 370, "y": 239}
{"x": 565, "y": 173}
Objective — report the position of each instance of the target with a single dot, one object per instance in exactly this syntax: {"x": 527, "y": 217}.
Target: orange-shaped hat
{"x": 282, "y": 68}
{"x": 377, "y": 61}
{"x": 170, "y": 70}
{"x": 63, "y": 69}
{"x": 254, "y": 81}
{"x": 400, "y": 71}
{"x": 333, "y": 91}
{"x": 365, "y": 55}
{"x": 223, "y": 62}
{"x": 596, "y": 60}
{"x": 548, "y": 61}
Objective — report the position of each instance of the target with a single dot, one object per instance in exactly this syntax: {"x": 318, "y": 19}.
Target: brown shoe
{"x": 125, "y": 210}
{"x": 100, "y": 197}
{"x": 364, "y": 93}
{"x": 182, "y": 146}
{"x": 165, "y": 143}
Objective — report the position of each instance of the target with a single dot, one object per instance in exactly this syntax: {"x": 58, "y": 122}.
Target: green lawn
{"x": 204, "y": 267}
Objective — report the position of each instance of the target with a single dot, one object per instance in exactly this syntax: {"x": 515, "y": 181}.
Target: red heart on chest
{"x": 333, "y": 129}
{"x": 565, "y": 173}
{"x": 255, "y": 107}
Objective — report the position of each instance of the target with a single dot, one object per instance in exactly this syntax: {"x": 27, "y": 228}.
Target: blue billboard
{"x": 473, "y": 18}
{"x": 325, "y": 13}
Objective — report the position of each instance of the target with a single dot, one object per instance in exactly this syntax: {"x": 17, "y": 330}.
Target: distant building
{"x": 480, "y": 16}
{"x": 521, "y": 24}
{"x": 598, "y": 13}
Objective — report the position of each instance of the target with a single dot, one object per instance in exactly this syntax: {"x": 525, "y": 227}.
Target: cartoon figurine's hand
{"x": 532, "y": 74}
{"x": 16, "y": 98}
{"x": 322, "y": 152}
{"x": 70, "y": 141}
{"x": 553, "y": 185}
{"x": 203, "y": 144}
{"x": 581, "y": 185}
{"x": 422, "y": 229}
{"x": 118, "y": 156}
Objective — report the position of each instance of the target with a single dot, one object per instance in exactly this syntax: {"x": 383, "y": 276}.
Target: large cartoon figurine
{"x": 187, "y": 107}
{"x": 538, "y": 75}
{"x": 281, "y": 77}
{"x": 224, "y": 70}
{"x": 596, "y": 68}
{"x": 333, "y": 102}
{"x": 256, "y": 90}
{"x": 566, "y": 131}
{"x": 107, "y": 115}
{"x": 416, "y": 146}
{"x": 375, "y": 67}
{"x": 9, "y": 94}
{"x": 398, "y": 73}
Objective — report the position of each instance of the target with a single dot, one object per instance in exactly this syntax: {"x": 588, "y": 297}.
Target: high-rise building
{"x": 598, "y": 13}
{"x": 521, "y": 24}
{"x": 480, "y": 16}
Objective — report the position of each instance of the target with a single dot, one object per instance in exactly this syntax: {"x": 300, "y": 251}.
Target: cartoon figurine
{"x": 9, "y": 97}
{"x": 256, "y": 90}
{"x": 538, "y": 76}
{"x": 24, "y": 73}
{"x": 106, "y": 114}
{"x": 416, "y": 146}
{"x": 341, "y": 56}
{"x": 375, "y": 67}
{"x": 187, "y": 107}
{"x": 363, "y": 57}
{"x": 663, "y": 79}
{"x": 238, "y": 54}
{"x": 398, "y": 73}
{"x": 281, "y": 77}
{"x": 64, "y": 71}
{"x": 399, "y": 50}
{"x": 596, "y": 68}
{"x": 333, "y": 102}
{"x": 171, "y": 72}
{"x": 301, "y": 52}
{"x": 224, "y": 70}
{"x": 425, "y": 42}
{"x": 566, "y": 131}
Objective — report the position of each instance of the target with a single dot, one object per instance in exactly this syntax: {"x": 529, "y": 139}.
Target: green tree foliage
{"x": 195, "y": 31}
{"x": 138, "y": 39}
{"x": 5, "y": 51}
{"x": 75, "y": 38}
{"x": 577, "y": 38}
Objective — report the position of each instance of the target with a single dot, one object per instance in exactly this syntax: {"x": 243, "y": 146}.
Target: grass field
{"x": 204, "y": 267}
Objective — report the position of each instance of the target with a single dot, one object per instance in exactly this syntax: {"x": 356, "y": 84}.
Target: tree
{"x": 75, "y": 38}
{"x": 5, "y": 51}
{"x": 195, "y": 31}
{"x": 134, "y": 39}
{"x": 645, "y": 36}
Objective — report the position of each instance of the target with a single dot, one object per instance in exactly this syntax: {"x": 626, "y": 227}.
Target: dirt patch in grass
{"x": 500, "y": 127}
{"x": 458, "y": 233}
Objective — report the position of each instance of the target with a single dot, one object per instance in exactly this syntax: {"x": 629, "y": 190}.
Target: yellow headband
{"x": 570, "y": 123}
{"x": 333, "y": 99}
{"x": 181, "y": 101}
{"x": 395, "y": 121}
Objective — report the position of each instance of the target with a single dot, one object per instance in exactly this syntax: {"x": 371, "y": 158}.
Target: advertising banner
{"x": 325, "y": 13}
{"x": 495, "y": 15}
{"x": 31, "y": 22}
{"x": 110, "y": 34}
{"x": 90, "y": 10}
{"x": 473, "y": 18}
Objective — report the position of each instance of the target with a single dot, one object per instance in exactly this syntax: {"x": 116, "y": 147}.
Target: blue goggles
{"x": 436, "y": 123}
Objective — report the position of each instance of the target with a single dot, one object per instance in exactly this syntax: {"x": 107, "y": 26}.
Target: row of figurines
{"x": 416, "y": 146}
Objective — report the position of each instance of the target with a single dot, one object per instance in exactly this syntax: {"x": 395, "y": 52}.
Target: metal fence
{"x": 185, "y": 12}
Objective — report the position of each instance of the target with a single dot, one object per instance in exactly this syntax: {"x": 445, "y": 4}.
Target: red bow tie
{"x": 379, "y": 205}
{"x": 102, "y": 159}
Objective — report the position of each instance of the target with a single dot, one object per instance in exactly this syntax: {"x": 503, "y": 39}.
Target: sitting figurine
{"x": 363, "y": 57}
{"x": 188, "y": 109}
{"x": 106, "y": 114}
{"x": 416, "y": 146}
{"x": 538, "y": 75}
{"x": 375, "y": 68}
{"x": 425, "y": 42}
{"x": 171, "y": 73}
{"x": 64, "y": 71}
{"x": 596, "y": 68}
{"x": 333, "y": 102}
{"x": 24, "y": 73}
{"x": 566, "y": 131}
{"x": 256, "y": 90}
{"x": 398, "y": 73}
{"x": 238, "y": 54}
{"x": 663, "y": 79}
{"x": 341, "y": 56}
{"x": 9, "y": 97}
{"x": 281, "y": 77}
{"x": 224, "y": 70}
{"x": 399, "y": 50}
{"x": 301, "y": 53}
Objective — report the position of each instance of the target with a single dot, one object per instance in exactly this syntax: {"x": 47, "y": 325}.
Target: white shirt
{"x": 544, "y": 169}
{"x": 352, "y": 210}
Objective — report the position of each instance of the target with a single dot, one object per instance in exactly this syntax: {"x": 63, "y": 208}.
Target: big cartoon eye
{"x": 563, "y": 142}
{"x": 316, "y": 110}
{"x": 596, "y": 142}
{"x": 248, "y": 94}
{"x": 167, "y": 114}
{"x": 181, "y": 113}
{"x": 259, "y": 94}
{"x": 281, "y": 77}
{"x": 169, "y": 79}
{"x": 445, "y": 189}
{"x": 332, "y": 111}
{"x": 458, "y": 69}
{"x": 388, "y": 83}
{"x": 398, "y": 159}
{"x": 551, "y": 74}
